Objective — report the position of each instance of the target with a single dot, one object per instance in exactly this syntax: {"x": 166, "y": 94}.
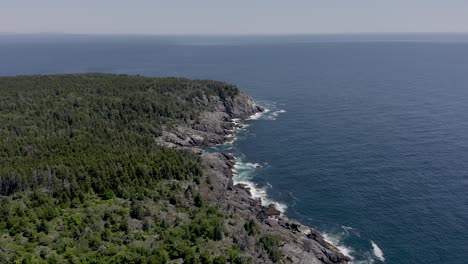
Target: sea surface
{"x": 366, "y": 137}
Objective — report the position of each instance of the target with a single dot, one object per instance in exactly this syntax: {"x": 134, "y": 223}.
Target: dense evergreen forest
{"x": 83, "y": 180}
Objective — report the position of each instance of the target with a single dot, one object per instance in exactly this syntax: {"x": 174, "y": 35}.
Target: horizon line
{"x": 238, "y": 35}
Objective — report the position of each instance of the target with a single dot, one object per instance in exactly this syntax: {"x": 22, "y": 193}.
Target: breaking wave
{"x": 377, "y": 251}
{"x": 244, "y": 172}
{"x": 335, "y": 240}
{"x": 357, "y": 256}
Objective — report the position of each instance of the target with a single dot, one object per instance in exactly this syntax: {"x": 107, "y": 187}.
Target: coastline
{"x": 298, "y": 243}
{"x": 261, "y": 195}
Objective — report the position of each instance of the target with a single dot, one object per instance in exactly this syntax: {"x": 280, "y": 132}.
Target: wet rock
{"x": 315, "y": 235}
{"x": 271, "y": 211}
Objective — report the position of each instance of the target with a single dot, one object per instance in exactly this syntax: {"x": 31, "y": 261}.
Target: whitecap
{"x": 377, "y": 251}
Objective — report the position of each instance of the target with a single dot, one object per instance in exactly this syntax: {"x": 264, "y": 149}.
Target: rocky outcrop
{"x": 298, "y": 243}
{"x": 271, "y": 211}
{"x": 212, "y": 127}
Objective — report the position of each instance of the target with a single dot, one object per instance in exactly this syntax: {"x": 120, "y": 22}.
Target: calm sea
{"x": 366, "y": 138}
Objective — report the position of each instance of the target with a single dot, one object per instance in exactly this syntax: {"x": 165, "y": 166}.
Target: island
{"x": 104, "y": 168}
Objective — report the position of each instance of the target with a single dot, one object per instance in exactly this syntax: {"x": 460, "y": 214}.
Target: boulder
{"x": 271, "y": 211}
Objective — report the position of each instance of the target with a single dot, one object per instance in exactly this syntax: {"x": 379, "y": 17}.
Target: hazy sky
{"x": 232, "y": 17}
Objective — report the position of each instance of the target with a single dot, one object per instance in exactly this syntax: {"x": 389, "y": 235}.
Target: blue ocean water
{"x": 371, "y": 146}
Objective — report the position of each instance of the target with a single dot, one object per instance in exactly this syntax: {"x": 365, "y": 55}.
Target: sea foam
{"x": 336, "y": 241}
{"x": 255, "y": 116}
{"x": 377, "y": 251}
{"x": 244, "y": 173}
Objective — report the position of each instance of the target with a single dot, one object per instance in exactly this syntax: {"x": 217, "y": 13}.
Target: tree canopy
{"x": 83, "y": 180}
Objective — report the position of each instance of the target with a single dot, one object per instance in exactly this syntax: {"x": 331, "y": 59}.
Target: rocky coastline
{"x": 298, "y": 243}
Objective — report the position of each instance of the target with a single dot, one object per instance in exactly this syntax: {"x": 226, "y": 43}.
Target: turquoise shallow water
{"x": 371, "y": 146}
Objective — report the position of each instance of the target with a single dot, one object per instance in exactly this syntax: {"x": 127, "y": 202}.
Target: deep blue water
{"x": 373, "y": 143}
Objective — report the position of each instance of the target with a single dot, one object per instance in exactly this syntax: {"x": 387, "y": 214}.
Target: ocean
{"x": 366, "y": 137}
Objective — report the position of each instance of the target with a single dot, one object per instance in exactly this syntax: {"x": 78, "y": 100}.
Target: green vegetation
{"x": 270, "y": 244}
{"x": 251, "y": 228}
{"x": 82, "y": 179}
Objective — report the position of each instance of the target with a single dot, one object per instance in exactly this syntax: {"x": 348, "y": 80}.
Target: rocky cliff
{"x": 212, "y": 127}
{"x": 296, "y": 243}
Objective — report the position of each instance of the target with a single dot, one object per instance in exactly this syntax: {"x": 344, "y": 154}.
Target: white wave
{"x": 273, "y": 115}
{"x": 244, "y": 173}
{"x": 267, "y": 114}
{"x": 336, "y": 241}
{"x": 261, "y": 193}
{"x": 245, "y": 167}
{"x": 255, "y": 116}
{"x": 364, "y": 258}
{"x": 377, "y": 251}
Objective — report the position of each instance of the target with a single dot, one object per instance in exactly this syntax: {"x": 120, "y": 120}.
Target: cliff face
{"x": 296, "y": 243}
{"x": 212, "y": 127}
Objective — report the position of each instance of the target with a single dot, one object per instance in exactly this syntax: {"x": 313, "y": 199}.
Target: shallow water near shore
{"x": 365, "y": 140}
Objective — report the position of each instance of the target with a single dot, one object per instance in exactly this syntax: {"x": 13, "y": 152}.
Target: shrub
{"x": 270, "y": 244}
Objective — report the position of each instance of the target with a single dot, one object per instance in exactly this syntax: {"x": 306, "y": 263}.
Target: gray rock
{"x": 102, "y": 248}
{"x": 271, "y": 211}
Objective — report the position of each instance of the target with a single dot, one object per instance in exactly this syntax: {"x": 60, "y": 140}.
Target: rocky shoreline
{"x": 298, "y": 243}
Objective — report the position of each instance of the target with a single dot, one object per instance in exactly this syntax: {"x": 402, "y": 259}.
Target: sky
{"x": 234, "y": 17}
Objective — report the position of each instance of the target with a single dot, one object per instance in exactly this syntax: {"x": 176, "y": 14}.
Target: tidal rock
{"x": 271, "y": 211}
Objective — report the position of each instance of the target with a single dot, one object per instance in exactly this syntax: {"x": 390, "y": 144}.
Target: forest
{"x": 83, "y": 179}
